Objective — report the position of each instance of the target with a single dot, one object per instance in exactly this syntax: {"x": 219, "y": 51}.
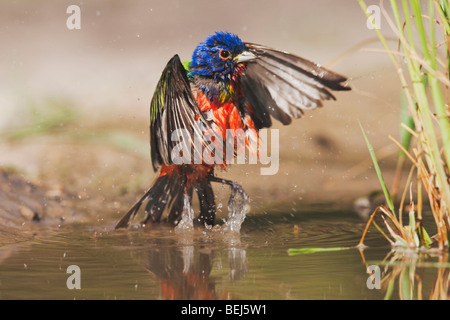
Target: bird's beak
{"x": 244, "y": 57}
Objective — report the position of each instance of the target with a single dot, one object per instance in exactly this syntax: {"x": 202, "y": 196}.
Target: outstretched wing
{"x": 283, "y": 85}
{"x": 173, "y": 107}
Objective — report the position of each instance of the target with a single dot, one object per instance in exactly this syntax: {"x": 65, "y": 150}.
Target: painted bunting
{"x": 228, "y": 86}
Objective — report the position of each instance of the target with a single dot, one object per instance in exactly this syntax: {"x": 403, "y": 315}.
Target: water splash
{"x": 238, "y": 206}
{"x": 187, "y": 216}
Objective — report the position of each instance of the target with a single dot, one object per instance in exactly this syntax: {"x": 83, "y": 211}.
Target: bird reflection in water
{"x": 183, "y": 266}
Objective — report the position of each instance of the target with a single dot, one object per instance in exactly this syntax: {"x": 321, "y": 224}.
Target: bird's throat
{"x": 217, "y": 92}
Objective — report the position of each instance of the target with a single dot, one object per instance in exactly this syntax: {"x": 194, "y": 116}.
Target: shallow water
{"x": 159, "y": 263}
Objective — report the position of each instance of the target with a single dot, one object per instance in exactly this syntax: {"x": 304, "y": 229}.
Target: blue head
{"x": 219, "y": 57}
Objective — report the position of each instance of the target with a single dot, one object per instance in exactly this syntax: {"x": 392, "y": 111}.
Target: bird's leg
{"x": 235, "y": 187}
{"x": 238, "y": 204}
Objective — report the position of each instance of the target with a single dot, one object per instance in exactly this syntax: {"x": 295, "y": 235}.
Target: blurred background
{"x": 74, "y": 104}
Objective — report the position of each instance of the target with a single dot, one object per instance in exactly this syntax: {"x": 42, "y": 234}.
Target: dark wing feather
{"x": 173, "y": 107}
{"x": 283, "y": 85}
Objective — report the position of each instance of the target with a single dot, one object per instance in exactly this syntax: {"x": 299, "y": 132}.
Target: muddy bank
{"x": 26, "y": 207}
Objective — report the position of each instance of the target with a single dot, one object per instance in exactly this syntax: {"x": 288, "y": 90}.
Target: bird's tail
{"x": 174, "y": 191}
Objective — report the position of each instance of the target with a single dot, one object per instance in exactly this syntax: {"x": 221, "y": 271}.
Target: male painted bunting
{"x": 229, "y": 86}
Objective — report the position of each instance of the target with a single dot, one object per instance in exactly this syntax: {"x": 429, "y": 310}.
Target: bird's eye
{"x": 224, "y": 54}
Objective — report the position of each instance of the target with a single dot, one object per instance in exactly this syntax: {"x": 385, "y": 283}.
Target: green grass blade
{"x": 379, "y": 174}
{"x": 412, "y": 227}
{"x": 426, "y": 238}
{"x": 399, "y": 241}
{"x": 294, "y": 251}
{"x": 408, "y": 120}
